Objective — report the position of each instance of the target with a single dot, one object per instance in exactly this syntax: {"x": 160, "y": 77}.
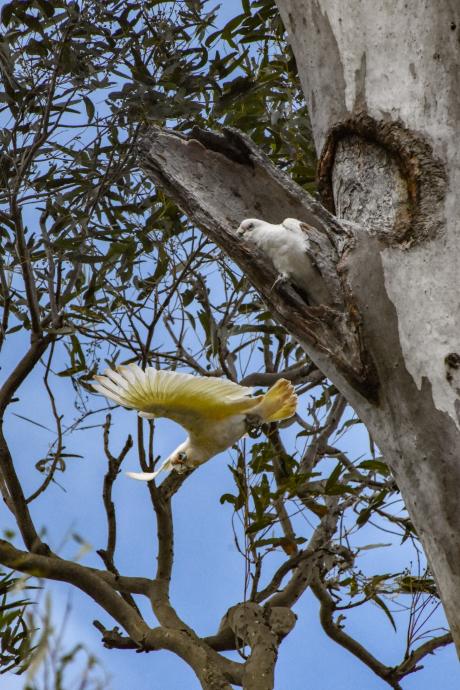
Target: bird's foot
{"x": 180, "y": 466}
{"x": 253, "y": 425}
{"x": 281, "y": 280}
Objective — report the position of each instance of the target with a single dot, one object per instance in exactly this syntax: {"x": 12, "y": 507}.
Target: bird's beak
{"x": 240, "y": 231}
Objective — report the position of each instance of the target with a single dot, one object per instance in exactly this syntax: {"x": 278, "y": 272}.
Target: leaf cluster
{"x": 16, "y": 645}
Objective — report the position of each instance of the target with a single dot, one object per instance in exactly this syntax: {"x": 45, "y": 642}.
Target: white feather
{"x": 143, "y": 476}
{"x": 212, "y": 410}
{"x": 286, "y": 245}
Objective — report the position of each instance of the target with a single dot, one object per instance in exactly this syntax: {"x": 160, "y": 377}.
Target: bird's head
{"x": 249, "y": 225}
{"x": 185, "y": 457}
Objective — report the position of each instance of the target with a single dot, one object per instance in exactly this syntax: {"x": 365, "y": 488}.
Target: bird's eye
{"x": 182, "y": 456}
{"x": 250, "y": 226}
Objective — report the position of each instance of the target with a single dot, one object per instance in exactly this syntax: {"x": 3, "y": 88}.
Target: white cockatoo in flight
{"x": 215, "y": 412}
{"x": 286, "y": 245}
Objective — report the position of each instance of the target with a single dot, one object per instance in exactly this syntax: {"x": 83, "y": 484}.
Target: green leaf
{"x": 35, "y": 47}
{"x": 6, "y": 98}
{"x": 333, "y": 477}
{"x": 260, "y": 524}
{"x": 368, "y": 547}
{"x": 90, "y": 110}
{"x": 376, "y": 465}
{"x": 227, "y": 498}
{"x": 46, "y": 8}
{"x": 385, "y": 609}
{"x": 32, "y": 421}
{"x": 71, "y": 371}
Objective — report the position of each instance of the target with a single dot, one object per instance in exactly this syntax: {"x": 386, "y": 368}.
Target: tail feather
{"x": 142, "y": 476}
{"x": 148, "y": 476}
{"x": 280, "y": 402}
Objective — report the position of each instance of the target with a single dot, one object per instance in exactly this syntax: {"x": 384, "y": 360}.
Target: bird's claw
{"x": 253, "y": 425}
{"x": 281, "y": 280}
{"x": 180, "y": 466}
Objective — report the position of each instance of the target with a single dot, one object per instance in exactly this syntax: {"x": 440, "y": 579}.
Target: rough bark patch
{"x": 397, "y": 159}
{"x": 368, "y": 186}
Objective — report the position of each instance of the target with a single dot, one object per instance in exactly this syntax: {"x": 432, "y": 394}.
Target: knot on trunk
{"x": 254, "y": 624}
{"x": 384, "y": 176}
{"x": 281, "y": 620}
{"x": 262, "y": 629}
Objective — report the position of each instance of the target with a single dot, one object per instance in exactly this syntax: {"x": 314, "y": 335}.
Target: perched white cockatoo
{"x": 286, "y": 245}
{"x": 215, "y": 412}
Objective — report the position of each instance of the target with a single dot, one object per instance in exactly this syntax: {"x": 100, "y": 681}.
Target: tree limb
{"x": 22, "y": 370}
{"x": 114, "y": 463}
{"x": 335, "y": 632}
{"x": 113, "y": 469}
{"x": 13, "y": 494}
{"x": 317, "y": 446}
{"x": 261, "y": 629}
{"x": 84, "y": 578}
{"x": 296, "y": 374}
{"x": 220, "y": 179}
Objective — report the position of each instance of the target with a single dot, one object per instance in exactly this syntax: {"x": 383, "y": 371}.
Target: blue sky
{"x": 208, "y": 573}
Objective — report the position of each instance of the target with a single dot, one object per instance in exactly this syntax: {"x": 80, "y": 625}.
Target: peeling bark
{"x": 385, "y": 108}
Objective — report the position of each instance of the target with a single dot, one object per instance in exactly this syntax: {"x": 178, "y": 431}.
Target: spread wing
{"x": 186, "y": 399}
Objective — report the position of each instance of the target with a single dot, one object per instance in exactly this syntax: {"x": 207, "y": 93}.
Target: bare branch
{"x": 309, "y": 558}
{"x": 296, "y": 374}
{"x": 59, "y": 444}
{"x": 84, "y": 578}
{"x": 280, "y": 475}
{"x": 113, "y": 469}
{"x": 14, "y": 498}
{"x": 316, "y": 448}
{"x": 410, "y": 665}
{"x": 336, "y": 632}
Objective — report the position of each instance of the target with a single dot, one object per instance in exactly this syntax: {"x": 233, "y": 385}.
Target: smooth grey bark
{"x": 398, "y": 63}
{"x": 380, "y": 83}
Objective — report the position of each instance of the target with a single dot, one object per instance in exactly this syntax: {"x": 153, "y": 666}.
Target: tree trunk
{"x": 380, "y": 81}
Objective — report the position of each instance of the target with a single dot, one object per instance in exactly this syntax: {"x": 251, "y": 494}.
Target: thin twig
{"x": 113, "y": 469}
{"x": 50, "y": 274}
{"x": 317, "y": 446}
{"x": 59, "y": 443}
